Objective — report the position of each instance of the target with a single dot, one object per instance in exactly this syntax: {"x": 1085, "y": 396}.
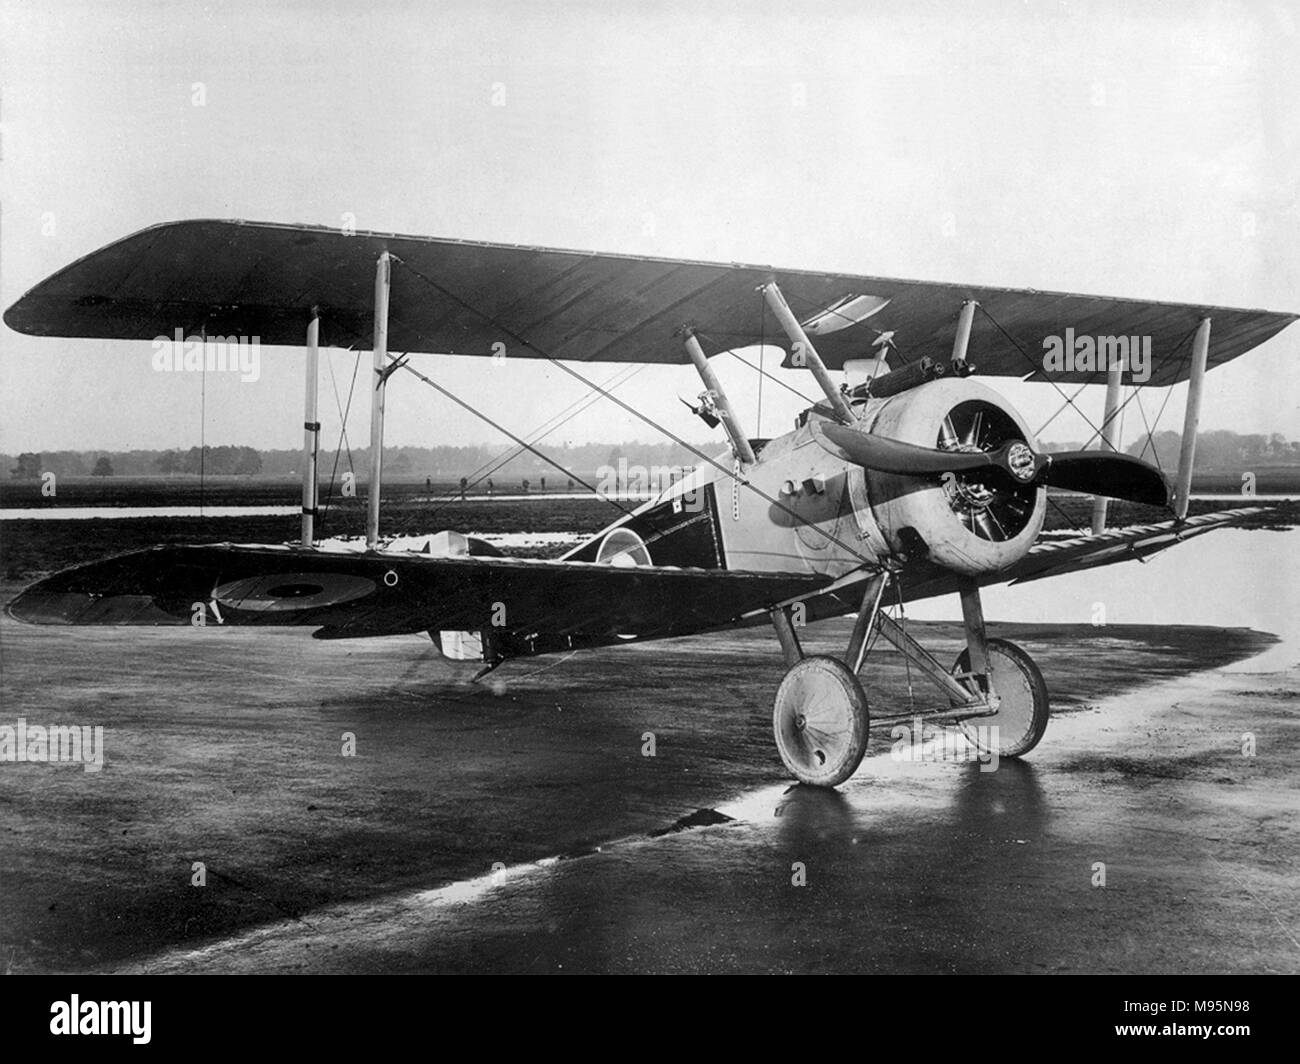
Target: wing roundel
{"x": 388, "y": 594}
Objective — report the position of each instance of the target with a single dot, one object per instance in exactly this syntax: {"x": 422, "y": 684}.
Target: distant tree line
{"x": 1218, "y": 450}
{"x": 215, "y": 461}
{"x": 438, "y": 463}
{"x": 1222, "y": 449}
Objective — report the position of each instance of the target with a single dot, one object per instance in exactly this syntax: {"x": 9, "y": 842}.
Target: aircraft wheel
{"x": 1022, "y": 715}
{"x": 820, "y": 719}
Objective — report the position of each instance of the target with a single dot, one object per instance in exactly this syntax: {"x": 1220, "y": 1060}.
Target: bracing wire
{"x": 729, "y": 473}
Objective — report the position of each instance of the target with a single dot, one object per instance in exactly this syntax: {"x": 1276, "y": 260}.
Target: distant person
{"x": 463, "y": 485}
{"x": 489, "y": 485}
{"x": 428, "y": 488}
{"x": 543, "y": 483}
{"x": 525, "y": 485}
{"x": 571, "y": 483}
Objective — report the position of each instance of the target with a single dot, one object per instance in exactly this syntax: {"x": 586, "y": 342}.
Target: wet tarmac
{"x": 521, "y": 825}
{"x": 920, "y": 867}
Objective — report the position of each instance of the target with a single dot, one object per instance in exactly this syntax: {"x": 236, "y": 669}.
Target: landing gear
{"x": 821, "y": 721}
{"x": 995, "y": 692}
{"x": 1022, "y": 701}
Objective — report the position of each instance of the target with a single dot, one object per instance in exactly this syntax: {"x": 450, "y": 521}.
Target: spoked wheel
{"x": 1022, "y": 712}
{"x": 820, "y": 720}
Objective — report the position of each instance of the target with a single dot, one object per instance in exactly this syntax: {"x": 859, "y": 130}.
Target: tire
{"x": 1022, "y": 716}
{"x": 821, "y": 721}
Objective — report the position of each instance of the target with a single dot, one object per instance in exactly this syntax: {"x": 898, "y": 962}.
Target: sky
{"x": 1142, "y": 150}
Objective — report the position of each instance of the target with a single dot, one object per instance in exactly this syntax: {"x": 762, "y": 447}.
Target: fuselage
{"x": 801, "y": 508}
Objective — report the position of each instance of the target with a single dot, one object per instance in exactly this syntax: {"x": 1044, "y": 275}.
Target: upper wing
{"x": 386, "y": 594}
{"x": 455, "y": 297}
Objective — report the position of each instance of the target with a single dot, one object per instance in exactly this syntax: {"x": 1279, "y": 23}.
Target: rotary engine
{"x": 951, "y": 475}
{"x": 972, "y": 521}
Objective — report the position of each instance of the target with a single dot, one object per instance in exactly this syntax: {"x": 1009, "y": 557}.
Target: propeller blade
{"x": 894, "y": 456}
{"x": 1117, "y": 476}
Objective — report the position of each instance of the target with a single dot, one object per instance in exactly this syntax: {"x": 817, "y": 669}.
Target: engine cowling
{"x": 971, "y": 524}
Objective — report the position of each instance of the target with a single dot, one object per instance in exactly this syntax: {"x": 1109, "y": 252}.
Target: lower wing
{"x": 529, "y": 606}
{"x": 1046, "y": 558}
{"x": 525, "y": 603}
{"x": 1056, "y": 557}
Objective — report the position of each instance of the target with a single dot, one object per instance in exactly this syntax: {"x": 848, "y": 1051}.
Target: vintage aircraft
{"x": 915, "y": 481}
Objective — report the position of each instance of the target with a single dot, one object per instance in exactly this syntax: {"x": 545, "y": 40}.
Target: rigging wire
{"x": 539, "y": 433}
{"x": 762, "y": 351}
{"x": 772, "y": 377}
{"x": 523, "y": 444}
{"x": 1178, "y": 346}
{"x": 343, "y": 435}
{"x": 1062, "y": 408}
{"x": 1070, "y": 522}
{"x": 203, "y": 414}
{"x": 907, "y": 658}
{"x": 629, "y": 409}
{"x": 396, "y": 360}
{"x": 1150, "y": 440}
{"x": 1038, "y": 369}
{"x": 1133, "y": 395}
{"x": 1147, "y": 425}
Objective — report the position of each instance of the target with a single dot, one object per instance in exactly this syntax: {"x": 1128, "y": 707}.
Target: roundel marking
{"x": 285, "y": 592}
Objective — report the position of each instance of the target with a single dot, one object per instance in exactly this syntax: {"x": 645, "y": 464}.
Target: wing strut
{"x": 1191, "y": 419}
{"x": 961, "y": 341}
{"x": 804, "y": 353}
{"x": 739, "y": 443}
{"x": 383, "y": 278}
{"x": 310, "y": 432}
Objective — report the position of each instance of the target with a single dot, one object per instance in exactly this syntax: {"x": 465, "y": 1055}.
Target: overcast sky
{"x": 1145, "y": 150}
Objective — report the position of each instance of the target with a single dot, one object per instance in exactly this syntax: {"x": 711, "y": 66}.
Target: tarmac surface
{"x": 519, "y": 825}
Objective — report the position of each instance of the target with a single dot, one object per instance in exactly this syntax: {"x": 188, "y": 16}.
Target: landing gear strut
{"x": 821, "y": 717}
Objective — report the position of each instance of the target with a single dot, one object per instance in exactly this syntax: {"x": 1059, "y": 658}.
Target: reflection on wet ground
{"x": 521, "y": 828}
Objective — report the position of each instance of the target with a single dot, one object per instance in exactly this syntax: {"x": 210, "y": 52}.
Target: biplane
{"x": 908, "y": 478}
